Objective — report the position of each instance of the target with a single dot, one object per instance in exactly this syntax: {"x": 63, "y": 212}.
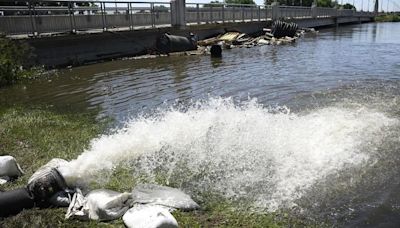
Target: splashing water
{"x": 240, "y": 151}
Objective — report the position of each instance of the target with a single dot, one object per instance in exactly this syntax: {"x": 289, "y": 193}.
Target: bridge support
{"x": 276, "y": 11}
{"x": 178, "y": 8}
{"x": 314, "y": 10}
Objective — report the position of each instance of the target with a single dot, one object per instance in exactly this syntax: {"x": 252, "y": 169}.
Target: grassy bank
{"x": 36, "y": 135}
{"x": 388, "y": 18}
{"x": 16, "y": 61}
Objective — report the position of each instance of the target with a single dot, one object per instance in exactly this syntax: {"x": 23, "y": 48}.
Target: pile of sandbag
{"x": 147, "y": 205}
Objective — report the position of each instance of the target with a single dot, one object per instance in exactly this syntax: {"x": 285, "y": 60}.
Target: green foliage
{"x": 290, "y": 2}
{"x": 388, "y": 18}
{"x": 326, "y": 3}
{"x": 348, "y": 6}
{"x": 218, "y": 3}
{"x": 15, "y": 61}
{"x": 247, "y": 2}
{"x": 214, "y": 4}
{"x": 307, "y": 3}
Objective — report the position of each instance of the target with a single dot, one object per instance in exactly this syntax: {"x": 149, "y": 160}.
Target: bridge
{"x": 35, "y": 18}
{"x": 67, "y": 32}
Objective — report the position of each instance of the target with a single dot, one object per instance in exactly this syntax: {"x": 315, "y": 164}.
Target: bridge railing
{"x": 74, "y": 16}
{"x": 34, "y": 17}
{"x": 345, "y": 12}
{"x": 220, "y": 13}
{"x": 326, "y": 12}
{"x": 290, "y": 12}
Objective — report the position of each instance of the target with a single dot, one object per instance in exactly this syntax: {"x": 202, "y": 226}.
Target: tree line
{"x": 307, "y": 3}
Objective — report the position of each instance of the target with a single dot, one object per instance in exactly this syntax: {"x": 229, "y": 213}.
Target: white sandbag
{"x": 76, "y": 207}
{"x": 263, "y": 42}
{"x": 149, "y": 216}
{"x": 4, "y": 180}
{"x": 100, "y": 204}
{"x": 9, "y": 167}
{"x": 162, "y": 195}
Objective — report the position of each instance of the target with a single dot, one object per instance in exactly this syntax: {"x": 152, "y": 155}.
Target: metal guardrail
{"x": 204, "y": 13}
{"x": 36, "y": 17}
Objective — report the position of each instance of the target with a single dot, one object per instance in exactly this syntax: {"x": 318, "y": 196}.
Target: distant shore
{"x": 388, "y": 18}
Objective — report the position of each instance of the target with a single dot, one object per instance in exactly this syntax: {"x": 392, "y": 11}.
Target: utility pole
{"x": 376, "y": 7}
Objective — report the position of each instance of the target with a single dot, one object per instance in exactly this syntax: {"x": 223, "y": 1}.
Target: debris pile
{"x": 280, "y": 33}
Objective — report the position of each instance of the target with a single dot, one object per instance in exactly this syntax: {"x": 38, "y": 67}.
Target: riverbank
{"x": 388, "y": 18}
{"x": 36, "y": 135}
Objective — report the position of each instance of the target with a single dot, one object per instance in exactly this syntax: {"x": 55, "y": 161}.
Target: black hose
{"x": 14, "y": 201}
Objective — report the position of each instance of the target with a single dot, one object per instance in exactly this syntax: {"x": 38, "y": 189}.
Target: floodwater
{"x": 312, "y": 128}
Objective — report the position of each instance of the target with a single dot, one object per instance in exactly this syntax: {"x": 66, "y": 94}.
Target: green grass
{"x": 36, "y": 135}
{"x": 388, "y": 18}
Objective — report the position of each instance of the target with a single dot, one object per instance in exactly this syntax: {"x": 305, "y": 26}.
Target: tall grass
{"x": 16, "y": 61}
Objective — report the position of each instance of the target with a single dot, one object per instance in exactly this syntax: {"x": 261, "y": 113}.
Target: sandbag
{"x": 9, "y": 168}
{"x": 162, "y": 195}
{"x": 100, "y": 204}
{"x": 149, "y": 216}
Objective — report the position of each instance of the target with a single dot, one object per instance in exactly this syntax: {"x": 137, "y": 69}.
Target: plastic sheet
{"x": 100, "y": 204}
{"x": 162, "y": 195}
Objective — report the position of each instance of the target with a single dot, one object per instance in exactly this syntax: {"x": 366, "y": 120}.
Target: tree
{"x": 348, "y": 6}
{"x": 214, "y": 4}
{"x": 246, "y": 2}
{"x": 307, "y": 3}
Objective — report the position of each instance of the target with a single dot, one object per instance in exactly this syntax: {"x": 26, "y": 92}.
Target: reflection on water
{"x": 348, "y": 75}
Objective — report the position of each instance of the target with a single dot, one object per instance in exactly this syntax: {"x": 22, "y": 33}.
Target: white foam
{"x": 239, "y": 151}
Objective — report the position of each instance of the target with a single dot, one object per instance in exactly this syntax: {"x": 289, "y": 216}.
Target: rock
{"x": 149, "y": 216}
